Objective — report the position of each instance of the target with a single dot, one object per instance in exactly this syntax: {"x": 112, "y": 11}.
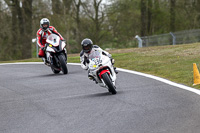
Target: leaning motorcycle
{"x": 56, "y": 54}
{"x": 101, "y": 68}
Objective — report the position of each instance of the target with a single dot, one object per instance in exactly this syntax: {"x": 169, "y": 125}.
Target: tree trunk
{"x": 78, "y": 22}
{"x": 96, "y": 21}
{"x": 149, "y": 21}
{"x": 14, "y": 43}
{"x": 67, "y": 7}
{"x": 143, "y": 17}
{"x": 172, "y": 15}
{"x": 27, "y": 37}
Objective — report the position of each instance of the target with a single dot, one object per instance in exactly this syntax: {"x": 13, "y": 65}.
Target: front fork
{"x": 65, "y": 53}
{"x": 52, "y": 59}
{"x": 49, "y": 57}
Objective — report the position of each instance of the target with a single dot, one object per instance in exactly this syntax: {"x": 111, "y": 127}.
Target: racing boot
{"x": 45, "y": 61}
{"x": 90, "y": 76}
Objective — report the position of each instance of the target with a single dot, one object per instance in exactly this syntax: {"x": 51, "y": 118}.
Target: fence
{"x": 181, "y": 37}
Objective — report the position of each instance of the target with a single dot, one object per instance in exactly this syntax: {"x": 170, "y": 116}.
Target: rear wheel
{"x": 109, "y": 83}
{"x": 63, "y": 64}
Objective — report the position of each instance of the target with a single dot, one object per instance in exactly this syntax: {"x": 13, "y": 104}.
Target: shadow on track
{"x": 98, "y": 94}
{"x": 104, "y": 94}
{"x": 47, "y": 75}
{"x": 50, "y": 75}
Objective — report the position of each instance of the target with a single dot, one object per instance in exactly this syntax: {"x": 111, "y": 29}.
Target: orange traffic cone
{"x": 196, "y": 74}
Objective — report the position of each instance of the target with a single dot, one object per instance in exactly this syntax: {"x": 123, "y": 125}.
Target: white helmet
{"x": 44, "y": 21}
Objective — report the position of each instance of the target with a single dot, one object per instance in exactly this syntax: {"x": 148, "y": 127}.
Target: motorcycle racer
{"x": 87, "y": 48}
{"x": 42, "y": 34}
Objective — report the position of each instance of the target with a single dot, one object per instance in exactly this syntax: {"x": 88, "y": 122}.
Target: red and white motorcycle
{"x": 101, "y": 68}
{"x": 56, "y": 54}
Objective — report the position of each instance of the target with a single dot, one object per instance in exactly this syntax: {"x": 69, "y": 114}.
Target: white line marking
{"x": 129, "y": 71}
{"x": 22, "y": 63}
{"x": 162, "y": 80}
{"x": 33, "y": 63}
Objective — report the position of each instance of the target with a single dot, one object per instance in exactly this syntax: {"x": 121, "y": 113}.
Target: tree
{"x": 21, "y": 23}
{"x": 67, "y": 17}
{"x": 14, "y": 50}
{"x": 94, "y": 10}
{"x": 77, "y": 5}
{"x": 124, "y": 22}
{"x": 27, "y": 42}
{"x": 5, "y": 34}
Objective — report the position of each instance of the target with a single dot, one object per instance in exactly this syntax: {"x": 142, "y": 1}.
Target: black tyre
{"x": 63, "y": 64}
{"x": 54, "y": 71}
{"x": 109, "y": 83}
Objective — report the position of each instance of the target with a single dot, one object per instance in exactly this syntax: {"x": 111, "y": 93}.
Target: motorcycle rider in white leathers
{"x": 87, "y": 48}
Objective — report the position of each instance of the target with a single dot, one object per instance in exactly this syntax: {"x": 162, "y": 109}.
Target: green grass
{"x": 171, "y": 62}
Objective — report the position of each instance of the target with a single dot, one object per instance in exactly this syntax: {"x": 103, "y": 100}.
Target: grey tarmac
{"x": 34, "y": 100}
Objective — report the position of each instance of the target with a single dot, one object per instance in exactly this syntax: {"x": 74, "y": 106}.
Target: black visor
{"x": 45, "y": 27}
{"x": 86, "y": 47}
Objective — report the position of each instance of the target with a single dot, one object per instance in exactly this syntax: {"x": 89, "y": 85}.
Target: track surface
{"x": 33, "y": 100}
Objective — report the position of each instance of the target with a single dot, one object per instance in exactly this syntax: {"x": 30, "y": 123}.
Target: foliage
{"x": 110, "y": 24}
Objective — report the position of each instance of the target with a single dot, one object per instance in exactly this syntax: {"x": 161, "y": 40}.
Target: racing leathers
{"x": 84, "y": 58}
{"x": 42, "y": 36}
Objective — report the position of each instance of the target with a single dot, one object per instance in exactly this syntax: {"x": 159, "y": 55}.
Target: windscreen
{"x": 94, "y": 54}
{"x": 53, "y": 39}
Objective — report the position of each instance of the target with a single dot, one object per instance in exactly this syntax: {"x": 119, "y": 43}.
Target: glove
{"x": 43, "y": 48}
{"x": 88, "y": 61}
{"x": 46, "y": 44}
{"x": 112, "y": 61}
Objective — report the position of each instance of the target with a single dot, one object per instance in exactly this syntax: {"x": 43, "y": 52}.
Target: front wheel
{"x": 63, "y": 64}
{"x": 54, "y": 71}
{"x": 108, "y": 82}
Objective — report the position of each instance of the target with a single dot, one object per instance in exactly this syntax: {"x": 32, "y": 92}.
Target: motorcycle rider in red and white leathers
{"x": 87, "y": 48}
{"x": 42, "y": 34}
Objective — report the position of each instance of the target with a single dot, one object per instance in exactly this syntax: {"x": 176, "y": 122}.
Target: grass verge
{"x": 171, "y": 62}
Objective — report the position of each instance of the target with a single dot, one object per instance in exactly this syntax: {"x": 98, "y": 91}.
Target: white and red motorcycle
{"x": 56, "y": 54}
{"x": 101, "y": 68}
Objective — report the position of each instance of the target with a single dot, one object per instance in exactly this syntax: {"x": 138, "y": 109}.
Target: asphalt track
{"x": 33, "y": 100}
